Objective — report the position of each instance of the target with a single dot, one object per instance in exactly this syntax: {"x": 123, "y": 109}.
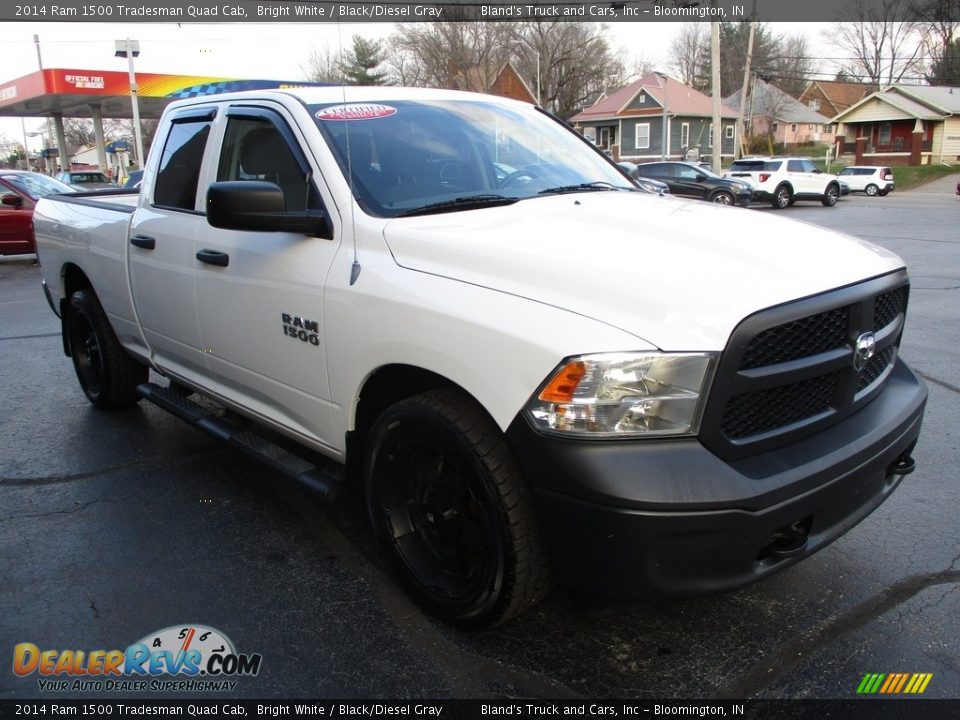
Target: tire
{"x": 447, "y": 502}
{"x": 722, "y": 198}
{"x": 871, "y": 190}
{"x": 831, "y": 195}
{"x": 884, "y": 193}
{"x": 782, "y": 197}
{"x": 107, "y": 375}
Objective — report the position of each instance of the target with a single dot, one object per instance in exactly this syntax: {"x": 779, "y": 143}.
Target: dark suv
{"x": 688, "y": 180}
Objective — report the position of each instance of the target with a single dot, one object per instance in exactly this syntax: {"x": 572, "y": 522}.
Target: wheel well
{"x": 786, "y": 185}
{"x": 74, "y": 279}
{"x": 386, "y": 386}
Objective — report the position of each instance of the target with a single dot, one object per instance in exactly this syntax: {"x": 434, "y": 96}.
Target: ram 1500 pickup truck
{"x": 535, "y": 371}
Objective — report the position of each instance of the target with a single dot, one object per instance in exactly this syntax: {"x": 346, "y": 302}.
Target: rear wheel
{"x": 782, "y": 197}
{"x": 448, "y": 503}
{"x": 831, "y": 195}
{"x": 871, "y": 190}
{"x": 722, "y": 198}
{"x": 107, "y": 375}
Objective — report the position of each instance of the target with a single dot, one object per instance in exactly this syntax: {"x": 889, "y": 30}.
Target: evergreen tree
{"x": 361, "y": 61}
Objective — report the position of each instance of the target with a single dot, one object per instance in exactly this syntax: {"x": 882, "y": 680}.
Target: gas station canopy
{"x": 72, "y": 93}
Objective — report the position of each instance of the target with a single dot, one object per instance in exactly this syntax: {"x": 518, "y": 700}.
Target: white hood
{"x": 680, "y": 275}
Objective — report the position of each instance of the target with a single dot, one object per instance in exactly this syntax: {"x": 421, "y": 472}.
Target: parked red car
{"x": 19, "y": 192}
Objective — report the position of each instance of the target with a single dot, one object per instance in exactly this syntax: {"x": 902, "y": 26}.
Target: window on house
{"x": 710, "y": 135}
{"x": 643, "y": 136}
{"x": 728, "y": 132}
{"x": 684, "y": 135}
{"x": 885, "y": 130}
{"x": 814, "y": 104}
{"x": 793, "y": 127}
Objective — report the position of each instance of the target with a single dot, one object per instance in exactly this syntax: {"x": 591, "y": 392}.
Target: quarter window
{"x": 179, "y": 173}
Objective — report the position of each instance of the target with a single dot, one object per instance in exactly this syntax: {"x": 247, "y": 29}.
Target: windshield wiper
{"x": 582, "y": 187}
{"x": 469, "y": 202}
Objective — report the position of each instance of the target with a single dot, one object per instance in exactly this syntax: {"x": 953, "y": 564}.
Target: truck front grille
{"x": 794, "y": 369}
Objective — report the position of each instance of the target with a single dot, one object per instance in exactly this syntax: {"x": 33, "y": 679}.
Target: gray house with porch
{"x": 657, "y": 117}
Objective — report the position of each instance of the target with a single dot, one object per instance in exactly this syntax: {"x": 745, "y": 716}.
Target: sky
{"x": 276, "y": 51}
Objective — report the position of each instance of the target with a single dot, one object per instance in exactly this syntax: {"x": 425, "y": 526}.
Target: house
{"x": 902, "y": 125}
{"x": 771, "y": 112}
{"x": 505, "y": 82}
{"x": 656, "y": 117}
{"x": 832, "y": 97}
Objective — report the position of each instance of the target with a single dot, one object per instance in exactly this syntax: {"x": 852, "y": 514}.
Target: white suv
{"x": 871, "y": 180}
{"x": 783, "y": 181}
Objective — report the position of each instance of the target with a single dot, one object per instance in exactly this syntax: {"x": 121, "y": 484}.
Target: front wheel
{"x": 107, "y": 375}
{"x": 447, "y": 501}
{"x": 722, "y": 198}
{"x": 830, "y": 196}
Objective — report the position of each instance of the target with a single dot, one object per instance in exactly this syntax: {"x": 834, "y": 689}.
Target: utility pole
{"x": 744, "y": 91}
{"x": 715, "y": 88}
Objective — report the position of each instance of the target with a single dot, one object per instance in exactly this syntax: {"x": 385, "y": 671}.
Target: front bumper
{"x": 645, "y": 519}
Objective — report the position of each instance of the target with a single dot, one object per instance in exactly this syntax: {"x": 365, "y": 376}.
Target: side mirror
{"x": 701, "y": 177}
{"x": 260, "y": 206}
{"x": 12, "y": 200}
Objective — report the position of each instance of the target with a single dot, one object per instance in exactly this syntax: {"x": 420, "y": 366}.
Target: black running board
{"x": 321, "y": 480}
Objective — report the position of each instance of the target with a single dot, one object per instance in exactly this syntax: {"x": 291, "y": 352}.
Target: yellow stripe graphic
{"x": 927, "y": 677}
{"x": 913, "y": 684}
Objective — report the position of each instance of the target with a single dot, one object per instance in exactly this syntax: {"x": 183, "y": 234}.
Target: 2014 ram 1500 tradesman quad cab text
{"x": 534, "y": 370}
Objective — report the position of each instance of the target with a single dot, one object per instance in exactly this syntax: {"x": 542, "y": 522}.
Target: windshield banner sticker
{"x": 359, "y": 111}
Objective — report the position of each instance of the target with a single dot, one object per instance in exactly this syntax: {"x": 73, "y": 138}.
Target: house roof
{"x": 679, "y": 99}
{"x": 940, "y": 97}
{"x": 842, "y": 95}
{"x": 917, "y": 101}
{"x": 770, "y": 101}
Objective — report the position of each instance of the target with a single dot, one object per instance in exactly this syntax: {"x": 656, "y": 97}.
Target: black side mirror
{"x": 258, "y": 205}
{"x": 12, "y": 200}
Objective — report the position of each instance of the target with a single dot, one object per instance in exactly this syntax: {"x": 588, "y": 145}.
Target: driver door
{"x": 260, "y": 294}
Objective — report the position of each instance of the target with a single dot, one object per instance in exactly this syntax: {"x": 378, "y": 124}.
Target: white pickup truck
{"x": 532, "y": 369}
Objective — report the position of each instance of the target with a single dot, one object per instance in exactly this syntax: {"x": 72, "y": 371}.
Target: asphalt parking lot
{"x": 114, "y": 526}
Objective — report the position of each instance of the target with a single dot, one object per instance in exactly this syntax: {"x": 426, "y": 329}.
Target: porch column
{"x": 916, "y": 143}
{"x": 861, "y": 149}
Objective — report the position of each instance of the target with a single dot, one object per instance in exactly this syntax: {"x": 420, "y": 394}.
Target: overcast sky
{"x": 276, "y": 51}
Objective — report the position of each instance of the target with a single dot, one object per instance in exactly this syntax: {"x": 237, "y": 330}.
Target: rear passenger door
{"x": 260, "y": 294}
{"x": 161, "y": 252}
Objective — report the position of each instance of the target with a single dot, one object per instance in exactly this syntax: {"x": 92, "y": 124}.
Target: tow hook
{"x": 903, "y": 465}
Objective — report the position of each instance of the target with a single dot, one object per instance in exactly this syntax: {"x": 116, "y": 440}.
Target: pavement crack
{"x": 51, "y": 513}
{"x": 29, "y": 337}
{"x": 937, "y": 381}
{"x": 146, "y": 463}
{"x": 788, "y": 656}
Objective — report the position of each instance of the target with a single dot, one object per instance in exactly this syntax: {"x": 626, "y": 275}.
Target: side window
{"x": 179, "y": 174}
{"x": 795, "y": 166}
{"x": 254, "y": 149}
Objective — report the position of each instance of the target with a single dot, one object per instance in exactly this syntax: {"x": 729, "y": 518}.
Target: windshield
{"x": 36, "y": 185}
{"x": 415, "y": 157}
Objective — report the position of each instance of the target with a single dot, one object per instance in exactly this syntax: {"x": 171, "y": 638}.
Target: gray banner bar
{"x": 494, "y": 11}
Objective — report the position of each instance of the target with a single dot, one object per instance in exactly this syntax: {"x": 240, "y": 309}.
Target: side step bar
{"x": 321, "y": 480}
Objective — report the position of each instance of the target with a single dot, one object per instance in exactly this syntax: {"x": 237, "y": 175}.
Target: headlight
{"x": 624, "y": 395}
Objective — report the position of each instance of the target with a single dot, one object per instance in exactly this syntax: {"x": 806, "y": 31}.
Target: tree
{"x": 688, "y": 51}
{"x": 939, "y": 21}
{"x": 782, "y": 59}
{"x": 358, "y": 65}
{"x": 945, "y": 68}
{"x": 437, "y": 54}
{"x": 323, "y": 66}
{"x": 881, "y": 51}
{"x": 575, "y": 61}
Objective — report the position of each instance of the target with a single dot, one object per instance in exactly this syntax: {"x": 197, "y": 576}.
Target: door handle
{"x": 144, "y": 241}
{"x": 213, "y": 257}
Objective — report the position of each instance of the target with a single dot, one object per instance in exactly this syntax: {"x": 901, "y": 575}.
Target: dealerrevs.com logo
{"x": 181, "y": 658}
